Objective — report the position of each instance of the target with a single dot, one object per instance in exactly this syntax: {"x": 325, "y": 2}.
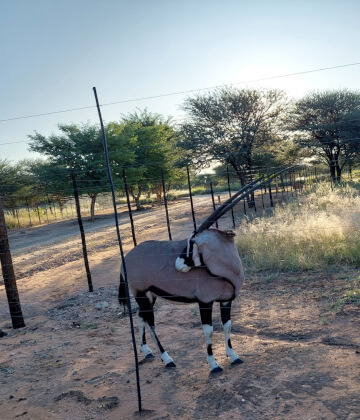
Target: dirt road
{"x": 74, "y": 358}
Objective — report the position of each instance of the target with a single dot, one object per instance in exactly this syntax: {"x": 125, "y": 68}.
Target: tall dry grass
{"x": 320, "y": 229}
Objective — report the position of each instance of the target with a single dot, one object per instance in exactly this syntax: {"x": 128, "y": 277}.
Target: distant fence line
{"x": 276, "y": 190}
{"x": 33, "y": 210}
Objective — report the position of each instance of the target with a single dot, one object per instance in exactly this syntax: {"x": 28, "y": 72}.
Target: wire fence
{"x": 180, "y": 209}
{"x": 48, "y": 237}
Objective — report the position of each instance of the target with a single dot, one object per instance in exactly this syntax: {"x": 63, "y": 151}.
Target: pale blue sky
{"x": 54, "y": 52}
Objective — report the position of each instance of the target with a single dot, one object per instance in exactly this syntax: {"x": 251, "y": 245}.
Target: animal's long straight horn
{"x": 236, "y": 198}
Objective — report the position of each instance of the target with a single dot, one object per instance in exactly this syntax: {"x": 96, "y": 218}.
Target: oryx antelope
{"x": 204, "y": 269}
{"x": 211, "y": 272}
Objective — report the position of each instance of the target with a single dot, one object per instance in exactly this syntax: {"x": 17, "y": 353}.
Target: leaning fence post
{"x": 12, "y": 293}
{"x": 121, "y": 251}
{"x": 82, "y": 233}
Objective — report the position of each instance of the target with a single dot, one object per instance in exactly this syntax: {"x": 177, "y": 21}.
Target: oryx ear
{"x": 196, "y": 255}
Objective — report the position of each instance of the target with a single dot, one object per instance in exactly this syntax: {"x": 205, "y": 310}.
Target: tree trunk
{"x": 239, "y": 173}
{"x": 250, "y": 198}
{"x": 338, "y": 172}
{"x": 92, "y": 205}
{"x": 158, "y": 192}
{"x": 332, "y": 170}
{"x": 136, "y": 197}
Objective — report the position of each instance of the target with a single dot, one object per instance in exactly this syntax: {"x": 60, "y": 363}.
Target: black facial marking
{"x": 188, "y": 260}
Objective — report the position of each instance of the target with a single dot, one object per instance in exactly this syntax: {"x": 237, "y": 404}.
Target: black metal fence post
{"x": 9, "y": 275}
{"x": 129, "y": 207}
{"x": 165, "y": 203}
{"x": 270, "y": 194}
{"x": 121, "y": 252}
{"x": 82, "y": 233}
{"x": 229, "y": 189}
{"x": 191, "y": 199}
{"x": 213, "y": 201}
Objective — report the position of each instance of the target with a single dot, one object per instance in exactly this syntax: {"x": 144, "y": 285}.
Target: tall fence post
{"x": 121, "y": 251}
{"x": 270, "y": 194}
{"x": 82, "y": 233}
{"x": 9, "y": 275}
{"x": 229, "y": 190}
{"x": 191, "y": 199}
{"x": 129, "y": 206}
{"x": 165, "y": 203}
{"x": 213, "y": 201}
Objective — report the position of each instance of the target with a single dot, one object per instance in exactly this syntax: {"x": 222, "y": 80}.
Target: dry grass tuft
{"x": 321, "y": 229}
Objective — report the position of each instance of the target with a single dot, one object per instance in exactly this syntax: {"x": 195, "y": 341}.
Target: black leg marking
{"x": 146, "y": 312}
{"x": 206, "y": 320}
{"x": 206, "y": 312}
{"x": 225, "y": 309}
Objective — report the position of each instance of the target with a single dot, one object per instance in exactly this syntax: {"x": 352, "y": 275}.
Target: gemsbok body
{"x": 203, "y": 270}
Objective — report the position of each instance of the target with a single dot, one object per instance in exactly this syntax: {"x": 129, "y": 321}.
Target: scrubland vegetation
{"x": 318, "y": 230}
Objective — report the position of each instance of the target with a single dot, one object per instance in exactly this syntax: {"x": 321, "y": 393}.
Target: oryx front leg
{"x": 225, "y": 309}
{"x": 206, "y": 320}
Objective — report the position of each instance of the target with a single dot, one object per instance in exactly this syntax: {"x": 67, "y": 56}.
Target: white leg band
{"x": 229, "y": 351}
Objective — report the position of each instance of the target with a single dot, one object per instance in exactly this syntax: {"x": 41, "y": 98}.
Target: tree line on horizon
{"x": 238, "y": 128}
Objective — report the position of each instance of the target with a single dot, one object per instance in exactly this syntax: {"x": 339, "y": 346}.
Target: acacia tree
{"x": 80, "y": 148}
{"x": 50, "y": 182}
{"x": 229, "y": 124}
{"x": 325, "y": 123}
{"x": 154, "y": 149}
{"x": 16, "y": 183}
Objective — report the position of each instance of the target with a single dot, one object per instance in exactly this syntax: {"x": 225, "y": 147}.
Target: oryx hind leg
{"x": 206, "y": 320}
{"x": 225, "y": 309}
{"x": 146, "y": 318}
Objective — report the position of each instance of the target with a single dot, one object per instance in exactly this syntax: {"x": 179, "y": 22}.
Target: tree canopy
{"x": 327, "y": 123}
{"x": 154, "y": 150}
{"x": 232, "y": 126}
{"x": 80, "y": 148}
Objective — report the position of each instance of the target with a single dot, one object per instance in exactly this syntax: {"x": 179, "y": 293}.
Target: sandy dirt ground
{"x": 74, "y": 359}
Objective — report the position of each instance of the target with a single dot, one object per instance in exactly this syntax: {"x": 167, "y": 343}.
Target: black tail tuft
{"x": 122, "y": 292}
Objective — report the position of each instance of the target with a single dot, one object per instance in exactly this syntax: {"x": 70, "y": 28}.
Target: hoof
{"x": 216, "y": 370}
{"x": 170, "y": 364}
{"x": 237, "y": 362}
{"x": 149, "y": 356}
